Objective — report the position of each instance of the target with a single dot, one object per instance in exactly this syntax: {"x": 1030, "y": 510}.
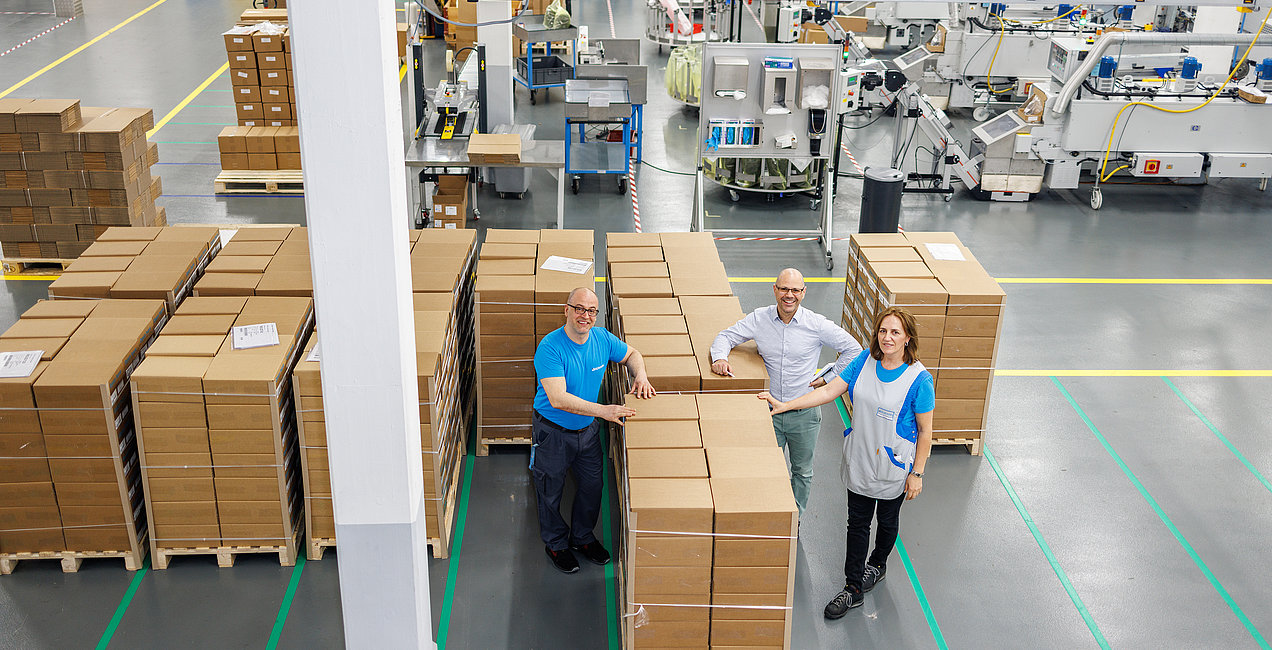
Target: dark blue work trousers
{"x": 558, "y": 450}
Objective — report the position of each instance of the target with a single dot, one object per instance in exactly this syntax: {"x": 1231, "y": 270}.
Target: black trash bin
{"x": 881, "y": 200}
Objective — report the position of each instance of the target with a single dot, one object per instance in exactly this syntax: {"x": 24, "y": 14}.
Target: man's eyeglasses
{"x": 584, "y": 311}
{"x": 790, "y": 290}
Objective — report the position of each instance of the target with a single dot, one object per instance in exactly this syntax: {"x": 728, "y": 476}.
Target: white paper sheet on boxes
{"x": 566, "y": 264}
{"x": 254, "y": 336}
{"x": 948, "y": 252}
{"x": 14, "y": 365}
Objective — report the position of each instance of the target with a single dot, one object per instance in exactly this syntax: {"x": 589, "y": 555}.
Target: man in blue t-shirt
{"x": 570, "y": 365}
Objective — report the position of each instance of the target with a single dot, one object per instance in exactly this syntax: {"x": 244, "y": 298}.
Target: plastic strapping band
{"x": 206, "y": 539}
{"x": 203, "y": 466}
{"x": 728, "y": 535}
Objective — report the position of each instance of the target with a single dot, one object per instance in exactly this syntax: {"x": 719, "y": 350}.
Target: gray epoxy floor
{"x": 981, "y": 569}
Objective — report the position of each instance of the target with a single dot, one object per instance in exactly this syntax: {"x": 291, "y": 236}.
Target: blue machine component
{"x": 1265, "y": 70}
{"x": 1108, "y": 66}
{"x": 1190, "y": 68}
{"x": 997, "y": 8}
{"x": 1124, "y": 12}
{"x": 1063, "y": 10}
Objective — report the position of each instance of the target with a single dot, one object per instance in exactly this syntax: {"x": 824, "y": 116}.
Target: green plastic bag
{"x": 555, "y": 16}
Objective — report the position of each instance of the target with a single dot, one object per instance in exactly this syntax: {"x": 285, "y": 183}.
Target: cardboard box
{"x": 754, "y": 506}
{"x": 641, "y": 287}
{"x": 666, "y": 463}
{"x": 498, "y": 149}
{"x": 671, "y": 506}
{"x": 666, "y": 434}
{"x": 634, "y": 254}
{"x": 661, "y": 345}
{"x": 638, "y": 270}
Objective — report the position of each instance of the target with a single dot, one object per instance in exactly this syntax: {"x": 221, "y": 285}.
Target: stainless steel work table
{"x": 435, "y": 153}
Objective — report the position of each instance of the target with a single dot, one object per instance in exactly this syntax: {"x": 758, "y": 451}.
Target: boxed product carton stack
{"x": 505, "y": 327}
{"x": 261, "y": 74}
{"x": 458, "y": 37}
{"x": 552, "y": 287}
{"x": 268, "y": 261}
{"x": 260, "y": 148}
{"x": 450, "y": 202}
{"x": 69, "y": 476}
{"x": 311, "y": 431}
{"x": 157, "y": 262}
{"x": 957, "y": 307}
{"x": 220, "y": 378}
{"x": 68, "y": 172}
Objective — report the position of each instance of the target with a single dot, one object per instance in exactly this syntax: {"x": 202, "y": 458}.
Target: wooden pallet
{"x": 71, "y": 560}
{"x": 35, "y": 265}
{"x": 225, "y": 555}
{"x": 242, "y": 181}
{"x": 317, "y": 546}
{"x": 483, "y": 445}
{"x": 973, "y": 444}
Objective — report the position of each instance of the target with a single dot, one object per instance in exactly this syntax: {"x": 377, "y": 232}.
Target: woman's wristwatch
{"x": 918, "y": 474}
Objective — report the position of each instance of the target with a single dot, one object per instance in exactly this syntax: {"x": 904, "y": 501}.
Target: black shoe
{"x": 872, "y": 576}
{"x": 563, "y": 560}
{"x": 843, "y": 601}
{"x": 594, "y": 552}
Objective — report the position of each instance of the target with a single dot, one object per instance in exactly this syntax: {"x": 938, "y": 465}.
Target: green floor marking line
{"x": 607, "y": 534}
{"x": 1170, "y": 525}
{"x": 452, "y": 570}
{"x": 285, "y": 607}
{"x": 1046, "y": 551}
{"x": 123, "y": 605}
{"x": 905, "y": 559}
{"x": 1222, "y": 438}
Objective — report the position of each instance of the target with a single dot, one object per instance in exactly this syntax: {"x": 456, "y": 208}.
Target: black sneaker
{"x": 594, "y": 552}
{"x": 872, "y": 576}
{"x": 843, "y": 601}
{"x": 563, "y": 560}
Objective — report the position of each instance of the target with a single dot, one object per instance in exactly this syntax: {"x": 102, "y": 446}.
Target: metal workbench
{"x": 435, "y": 154}
{"x": 602, "y": 102}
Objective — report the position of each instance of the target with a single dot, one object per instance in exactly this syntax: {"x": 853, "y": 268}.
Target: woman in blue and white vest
{"x": 886, "y": 449}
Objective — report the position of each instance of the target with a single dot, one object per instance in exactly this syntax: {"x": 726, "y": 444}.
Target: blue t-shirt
{"x": 920, "y": 399}
{"x": 583, "y": 367}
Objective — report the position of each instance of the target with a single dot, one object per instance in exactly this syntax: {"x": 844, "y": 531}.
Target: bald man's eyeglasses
{"x": 791, "y": 290}
{"x": 590, "y": 312}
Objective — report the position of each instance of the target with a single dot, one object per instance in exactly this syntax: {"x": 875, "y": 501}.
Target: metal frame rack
{"x": 756, "y": 104}
{"x": 529, "y": 28}
{"x": 615, "y": 107}
{"x": 717, "y": 18}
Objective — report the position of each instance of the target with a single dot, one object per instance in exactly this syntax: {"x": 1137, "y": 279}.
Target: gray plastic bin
{"x": 511, "y": 181}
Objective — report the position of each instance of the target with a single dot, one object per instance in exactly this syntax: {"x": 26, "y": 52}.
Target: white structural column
{"x": 355, "y": 203}
{"x": 499, "y": 55}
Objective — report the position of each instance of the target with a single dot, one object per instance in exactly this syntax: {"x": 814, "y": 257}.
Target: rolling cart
{"x": 547, "y": 70}
{"x": 599, "y": 102}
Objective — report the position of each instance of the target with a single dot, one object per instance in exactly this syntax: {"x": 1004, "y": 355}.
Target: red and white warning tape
{"x": 855, "y": 165}
{"x": 37, "y": 36}
{"x": 754, "y": 17}
{"x": 631, "y": 187}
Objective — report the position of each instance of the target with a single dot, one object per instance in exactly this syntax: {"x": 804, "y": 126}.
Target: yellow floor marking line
{"x": 79, "y": 49}
{"x": 1003, "y": 372}
{"x": 189, "y": 98}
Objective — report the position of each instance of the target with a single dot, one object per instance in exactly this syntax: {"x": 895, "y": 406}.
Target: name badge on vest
{"x": 884, "y": 413}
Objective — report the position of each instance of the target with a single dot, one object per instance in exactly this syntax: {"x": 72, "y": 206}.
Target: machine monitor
{"x": 999, "y": 127}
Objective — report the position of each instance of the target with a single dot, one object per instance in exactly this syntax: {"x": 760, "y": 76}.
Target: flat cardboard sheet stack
{"x": 707, "y": 556}
{"x": 442, "y": 264}
{"x": 269, "y": 261}
{"x": 217, "y": 433}
{"x": 163, "y": 263}
{"x": 518, "y": 302}
{"x": 958, "y": 308}
{"x": 69, "y": 172}
{"x": 69, "y": 475}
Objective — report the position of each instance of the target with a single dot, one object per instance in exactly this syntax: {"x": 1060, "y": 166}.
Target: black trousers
{"x": 861, "y": 510}
{"x": 556, "y": 451}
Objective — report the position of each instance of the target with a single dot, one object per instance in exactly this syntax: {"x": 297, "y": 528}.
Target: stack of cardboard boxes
{"x": 68, "y": 172}
{"x": 162, "y": 263}
{"x": 268, "y": 261}
{"x": 450, "y": 202}
{"x": 459, "y": 37}
{"x": 707, "y": 555}
{"x": 551, "y": 287}
{"x": 261, "y": 148}
{"x": 442, "y": 270}
{"x": 69, "y": 475}
{"x": 958, "y": 309}
{"x": 505, "y": 317}
{"x": 261, "y": 74}
{"x": 217, "y": 431}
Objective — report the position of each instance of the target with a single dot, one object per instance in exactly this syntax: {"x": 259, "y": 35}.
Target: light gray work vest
{"x": 877, "y": 455}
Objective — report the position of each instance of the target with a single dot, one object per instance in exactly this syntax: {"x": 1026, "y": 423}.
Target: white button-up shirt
{"x": 790, "y": 350}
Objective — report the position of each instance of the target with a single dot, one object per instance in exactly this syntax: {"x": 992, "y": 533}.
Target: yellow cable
{"x": 1002, "y": 31}
{"x": 1064, "y": 15}
{"x": 1113, "y": 129}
